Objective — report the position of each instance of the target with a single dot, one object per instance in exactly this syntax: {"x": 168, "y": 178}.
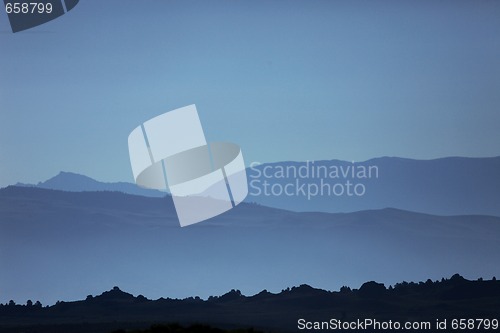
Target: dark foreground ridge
{"x": 118, "y": 311}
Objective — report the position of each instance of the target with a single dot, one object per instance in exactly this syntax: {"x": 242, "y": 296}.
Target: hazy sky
{"x": 286, "y": 80}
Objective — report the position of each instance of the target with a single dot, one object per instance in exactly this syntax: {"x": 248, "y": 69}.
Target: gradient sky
{"x": 286, "y": 80}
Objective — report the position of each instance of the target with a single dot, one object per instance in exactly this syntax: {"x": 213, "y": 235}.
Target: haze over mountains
{"x": 72, "y": 235}
{"x": 446, "y": 186}
{"x": 57, "y": 245}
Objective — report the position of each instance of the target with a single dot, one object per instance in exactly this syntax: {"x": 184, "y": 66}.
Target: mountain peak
{"x": 70, "y": 174}
{"x": 115, "y": 294}
{"x": 69, "y": 181}
{"x": 74, "y": 182}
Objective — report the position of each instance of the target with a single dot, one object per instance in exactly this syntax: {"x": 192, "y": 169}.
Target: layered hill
{"x": 445, "y": 186}
{"x": 57, "y": 245}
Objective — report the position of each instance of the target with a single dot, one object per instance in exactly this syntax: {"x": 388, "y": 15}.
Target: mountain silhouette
{"x": 278, "y": 312}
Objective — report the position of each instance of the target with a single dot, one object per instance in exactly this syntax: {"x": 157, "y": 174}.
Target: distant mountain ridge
{"x": 445, "y": 186}
{"x": 73, "y": 182}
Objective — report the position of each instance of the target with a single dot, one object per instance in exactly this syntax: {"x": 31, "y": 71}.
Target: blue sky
{"x": 286, "y": 80}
